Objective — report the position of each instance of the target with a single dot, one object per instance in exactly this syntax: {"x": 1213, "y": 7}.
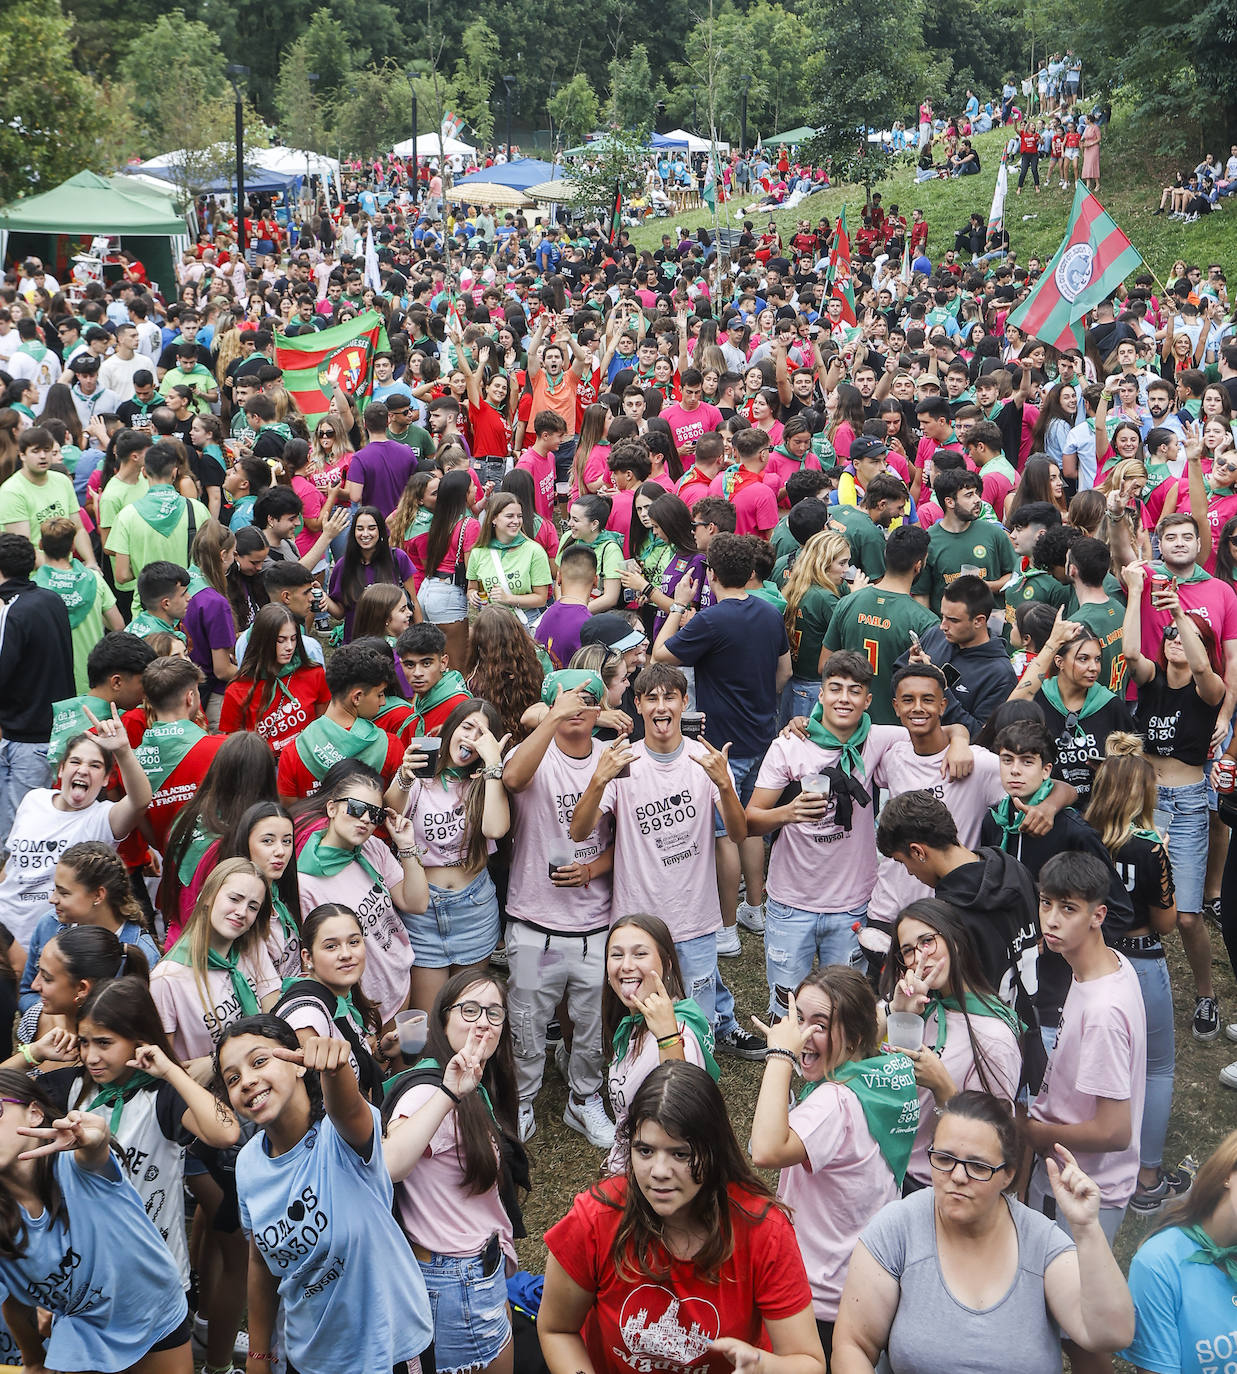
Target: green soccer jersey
{"x": 1107, "y": 620}
{"x": 812, "y": 617}
{"x": 866, "y": 539}
{"x": 415, "y": 437}
{"x": 878, "y": 624}
{"x": 1035, "y": 585}
{"x": 983, "y": 545}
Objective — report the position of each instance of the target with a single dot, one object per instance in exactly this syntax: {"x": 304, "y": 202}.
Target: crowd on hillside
{"x": 656, "y": 609}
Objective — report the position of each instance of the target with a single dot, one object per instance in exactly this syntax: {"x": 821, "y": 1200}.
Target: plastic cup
{"x": 560, "y": 856}
{"x": 904, "y": 1030}
{"x": 412, "y": 1027}
{"x": 428, "y": 745}
{"x": 817, "y": 783}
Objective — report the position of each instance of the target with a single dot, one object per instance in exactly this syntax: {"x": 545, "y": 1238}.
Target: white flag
{"x": 996, "y": 216}
{"x": 372, "y": 277}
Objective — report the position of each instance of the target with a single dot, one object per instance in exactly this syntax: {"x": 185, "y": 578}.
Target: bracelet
{"x": 493, "y": 771}
{"x": 647, "y": 590}
{"x": 414, "y": 853}
{"x": 403, "y": 780}
{"x": 665, "y": 1042}
{"x": 777, "y": 1051}
{"x": 453, "y": 1096}
{"x": 28, "y": 1056}
{"x": 261, "y": 1355}
{"x": 676, "y": 608}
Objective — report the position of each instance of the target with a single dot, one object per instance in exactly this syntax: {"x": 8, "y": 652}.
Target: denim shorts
{"x": 744, "y": 772}
{"x": 459, "y": 927}
{"x": 1187, "y": 840}
{"x": 795, "y": 939}
{"x": 442, "y": 602}
{"x": 469, "y": 1307}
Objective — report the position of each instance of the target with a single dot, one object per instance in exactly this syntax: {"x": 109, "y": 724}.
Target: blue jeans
{"x": 460, "y": 927}
{"x": 469, "y": 1307}
{"x": 799, "y": 696}
{"x": 795, "y": 939}
{"x": 1187, "y": 840}
{"x": 744, "y": 772}
{"x": 23, "y": 767}
{"x": 703, "y": 983}
{"x": 1161, "y": 1049}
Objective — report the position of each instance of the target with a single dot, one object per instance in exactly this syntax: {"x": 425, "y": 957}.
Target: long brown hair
{"x": 476, "y": 848}
{"x": 260, "y": 665}
{"x": 502, "y": 666}
{"x": 612, "y": 1009}
{"x": 685, "y": 1102}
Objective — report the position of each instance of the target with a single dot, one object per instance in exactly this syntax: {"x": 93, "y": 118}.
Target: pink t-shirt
{"x": 804, "y": 849}
{"x": 929, "y": 513}
{"x": 435, "y": 1207}
{"x": 842, "y": 1186}
{"x": 596, "y": 468}
{"x": 663, "y": 840}
{"x": 542, "y": 472}
{"x": 1210, "y": 600}
{"x": 388, "y": 951}
{"x": 192, "y": 1027}
{"x": 437, "y": 814}
{"x": 312, "y": 500}
{"x": 996, "y": 490}
{"x": 540, "y": 817}
{"x": 309, "y": 1014}
{"x": 1002, "y": 1065}
{"x": 782, "y": 467}
{"x": 1220, "y": 510}
{"x": 1101, "y": 1051}
{"x": 968, "y": 799}
{"x": 625, "y": 1075}
{"x": 755, "y": 504}
{"x": 686, "y": 426}
{"x": 622, "y": 505}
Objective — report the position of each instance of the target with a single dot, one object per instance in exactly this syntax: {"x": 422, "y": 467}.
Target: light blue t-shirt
{"x": 106, "y": 1275}
{"x": 320, "y": 1215}
{"x": 1185, "y": 1312}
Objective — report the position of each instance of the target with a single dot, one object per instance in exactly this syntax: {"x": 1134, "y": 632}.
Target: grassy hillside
{"x": 1130, "y": 185}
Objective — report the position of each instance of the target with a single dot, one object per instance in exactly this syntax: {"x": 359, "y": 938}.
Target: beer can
{"x": 1226, "y": 775}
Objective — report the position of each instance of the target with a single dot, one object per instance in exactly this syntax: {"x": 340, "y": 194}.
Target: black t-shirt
{"x": 207, "y": 471}
{"x": 1144, "y": 868}
{"x": 136, "y": 414}
{"x": 1080, "y": 749}
{"x": 167, "y": 359}
{"x": 1175, "y": 721}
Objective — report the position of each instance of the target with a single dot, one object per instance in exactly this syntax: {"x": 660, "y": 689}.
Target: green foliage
{"x": 374, "y": 112}
{"x": 326, "y": 51}
{"x": 617, "y": 160}
{"x": 296, "y": 100}
{"x": 633, "y": 92}
{"x": 575, "y": 110}
{"x": 474, "y": 78}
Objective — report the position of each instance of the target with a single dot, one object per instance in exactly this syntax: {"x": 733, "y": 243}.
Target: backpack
{"x": 370, "y": 1075}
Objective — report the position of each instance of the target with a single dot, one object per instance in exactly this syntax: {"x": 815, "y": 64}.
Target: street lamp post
{"x": 236, "y": 73}
{"x": 695, "y": 118}
{"x": 745, "y": 80}
{"x": 312, "y": 78}
{"x": 413, "y": 73}
{"x": 509, "y": 82}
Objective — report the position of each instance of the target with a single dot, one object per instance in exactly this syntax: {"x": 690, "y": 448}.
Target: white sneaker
{"x": 751, "y": 918}
{"x": 728, "y": 946}
{"x": 590, "y": 1119}
{"x": 1231, "y": 1030}
{"x": 528, "y": 1122}
{"x": 1228, "y": 1075}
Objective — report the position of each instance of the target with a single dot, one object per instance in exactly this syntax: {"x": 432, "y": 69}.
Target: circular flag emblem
{"x": 979, "y": 550}
{"x": 347, "y": 367}
{"x": 1074, "y": 271}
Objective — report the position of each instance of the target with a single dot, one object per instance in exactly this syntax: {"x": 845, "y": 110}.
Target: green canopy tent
{"x": 86, "y": 205}
{"x": 799, "y": 135}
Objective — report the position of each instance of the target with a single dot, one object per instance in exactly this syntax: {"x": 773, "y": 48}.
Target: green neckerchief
{"x": 199, "y": 842}
{"x": 1223, "y": 1256}
{"x": 688, "y": 1012}
{"x": 75, "y": 585}
{"x": 222, "y": 963}
{"x": 973, "y": 1005}
{"x": 69, "y": 719}
{"x": 1096, "y": 699}
{"x": 144, "y": 623}
{"x": 482, "y": 1090}
{"x": 321, "y": 860}
{"x": 197, "y": 583}
{"x": 886, "y": 1089}
{"x": 1009, "y": 818}
{"x": 161, "y": 507}
{"x": 1002, "y": 465}
{"x": 852, "y": 749}
{"x": 284, "y": 916}
{"x": 322, "y": 743}
{"x": 164, "y": 746}
{"x": 448, "y": 685}
{"x": 514, "y": 544}
{"x": 1196, "y": 574}
{"x": 603, "y": 537}
{"x": 115, "y": 1095}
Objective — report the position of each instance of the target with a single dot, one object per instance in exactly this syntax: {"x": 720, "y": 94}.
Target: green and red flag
{"x": 314, "y": 364}
{"x": 838, "y": 275}
{"x": 1094, "y": 258}
{"x": 616, "y": 213}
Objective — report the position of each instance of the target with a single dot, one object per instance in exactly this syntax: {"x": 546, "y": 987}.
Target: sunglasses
{"x": 357, "y": 809}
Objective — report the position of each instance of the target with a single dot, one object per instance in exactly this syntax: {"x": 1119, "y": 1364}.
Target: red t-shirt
{"x": 397, "y": 720}
{"x": 755, "y": 505}
{"x": 669, "y": 1323}
{"x": 436, "y": 717}
{"x": 294, "y": 779}
{"x": 490, "y": 436}
{"x": 180, "y": 787}
{"x": 1028, "y": 141}
{"x": 284, "y": 717}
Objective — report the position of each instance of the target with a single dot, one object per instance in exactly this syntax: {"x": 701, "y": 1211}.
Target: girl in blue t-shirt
{"x": 315, "y": 1199}
{"x": 75, "y": 1239}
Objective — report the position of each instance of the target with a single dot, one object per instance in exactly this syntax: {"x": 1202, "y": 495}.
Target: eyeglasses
{"x": 16, "y": 1101}
{"x": 978, "y": 1169}
{"x": 924, "y": 945}
{"x": 357, "y": 808}
{"x": 471, "y": 1011}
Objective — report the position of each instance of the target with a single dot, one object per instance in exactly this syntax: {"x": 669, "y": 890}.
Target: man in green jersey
{"x": 865, "y": 525}
{"x": 1087, "y": 563}
{"x": 963, "y": 543}
{"x": 1037, "y": 583}
{"x": 882, "y": 621}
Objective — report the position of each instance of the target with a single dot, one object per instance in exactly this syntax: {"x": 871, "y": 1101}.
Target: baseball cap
{"x": 612, "y": 631}
{"x": 867, "y": 446}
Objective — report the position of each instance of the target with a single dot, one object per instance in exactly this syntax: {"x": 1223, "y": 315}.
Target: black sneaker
{"x": 1172, "y": 1183}
{"x": 741, "y": 1044}
{"x": 1211, "y": 910}
{"x": 1206, "y": 1019}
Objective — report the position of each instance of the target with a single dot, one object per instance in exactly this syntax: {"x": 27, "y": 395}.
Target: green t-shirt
{"x": 416, "y": 437}
{"x": 812, "y": 617}
{"x": 116, "y": 496}
{"x": 1036, "y": 584}
{"x": 1113, "y": 588}
{"x": 525, "y": 567}
{"x": 144, "y": 544}
{"x": 1107, "y": 620}
{"x": 866, "y": 539}
{"x": 982, "y": 544}
{"x": 768, "y": 591}
{"x": 197, "y": 379}
{"x": 784, "y": 543}
{"x": 89, "y": 630}
{"x": 25, "y": 502}
{"x": 878, "y": 624}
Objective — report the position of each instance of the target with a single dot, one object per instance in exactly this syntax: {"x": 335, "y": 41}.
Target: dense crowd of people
{"x": 354, "y": 764}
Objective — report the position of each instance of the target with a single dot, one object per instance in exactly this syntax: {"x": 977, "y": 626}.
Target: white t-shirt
{"x": 41, "y": 833}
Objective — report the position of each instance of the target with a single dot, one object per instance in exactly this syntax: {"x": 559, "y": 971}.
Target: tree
{"x": 616, "y": 161}
{"x": 296, "y": 101}
{"x": 372, "y": 115}
{"x": 633, "y": 93}
{"x": 326, "y": 49}
{"x": 574, "y": 109}
{"x": 474, "y": 79}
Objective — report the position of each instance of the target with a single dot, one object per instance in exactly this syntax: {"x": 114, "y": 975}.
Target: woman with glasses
{"x": 340, "y": 860}
{"x": 949, "y": 1276}
{"x": 456, "y": 816}
{"x": 453, "y": 1154}
{"x": 970, "y": 1037}
{"x": 843, "y": 1147}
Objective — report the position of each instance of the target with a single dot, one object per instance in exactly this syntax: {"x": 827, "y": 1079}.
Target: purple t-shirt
{"x": 558, "y": 631}
{"x": 403, "y": 572}
{"x": 209, "y": 625}
{"x": 383, "y": 469}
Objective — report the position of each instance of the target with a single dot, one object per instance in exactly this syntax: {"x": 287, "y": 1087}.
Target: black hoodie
{"x": 985, "y": 677}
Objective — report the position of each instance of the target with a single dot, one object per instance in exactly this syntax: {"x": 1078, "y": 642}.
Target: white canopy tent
{"x": 429, "y": 145}
{"x": 692, "y": 142}
{"x": 284, "y": 161}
